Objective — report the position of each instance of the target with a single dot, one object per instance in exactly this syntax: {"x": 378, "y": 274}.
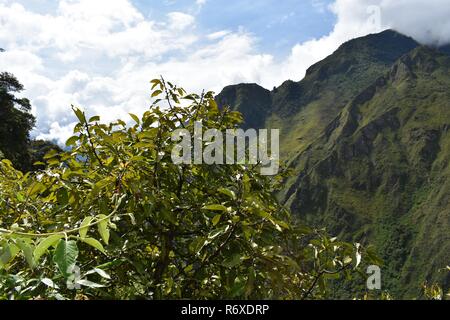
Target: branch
{"x": 65, "y": 232}
{"x": 170, "y": 103}
{"x": 91, "y": 142}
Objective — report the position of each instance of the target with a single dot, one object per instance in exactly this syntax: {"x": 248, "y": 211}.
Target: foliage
{"x": 15, "y": 121}
{"x": 37, "y": 149}
{"x": 435, "y": 291}
{"x": 113, "y": 217}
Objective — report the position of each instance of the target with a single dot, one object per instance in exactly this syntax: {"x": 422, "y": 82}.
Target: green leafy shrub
{"x": 114, "y": 218}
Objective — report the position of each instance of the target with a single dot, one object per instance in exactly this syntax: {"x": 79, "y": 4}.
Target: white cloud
{"x": 58, "y": 133}
{"x": 180, "y": 20}
{"x": 101, "y": 54}
{"x": 107, "y": 27}
{"x": 426, "y": 21}
{"x": 218, "y": 34}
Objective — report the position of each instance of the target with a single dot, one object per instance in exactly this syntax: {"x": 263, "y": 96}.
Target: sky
{"x": 101, "y": 54}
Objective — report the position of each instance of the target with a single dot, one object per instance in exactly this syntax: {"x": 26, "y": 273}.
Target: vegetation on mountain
{"x": 379, "y": 172}
{"x": 365, "y": 137}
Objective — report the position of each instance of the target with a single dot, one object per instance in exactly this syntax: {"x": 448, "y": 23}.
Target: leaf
{"x": 189, "y": 268}
{"x": 228, "y": 193}
{"x": 80, "y": 115}
{"x": 7, "y": 163}
{"x": 155, "y": 82}
{"x": 213, "y": 105}
{"x": 94, "y": 119}
{"x": 215, "y": 207}
{"x": 238, "y": 287}
{"x": 85, "y": 227}
{"x": 197, "y": 245}
{"x": 332, "y": 276}
{"x": 42, "y": 247}
{"x": 347, "y": 260}
{"x": 217, "y": 232}
{"x": 36, "y": 188}
{"x": 216, "y": 219}
{"x": 135, "y": 118}
{"x": 51, "y": 154}
{"x": 27, "y": 251}
{"x": 232, "y": 261}
{"x": 62, "y": 196}
{"x": 8, "y": 253}
{"x": 65, "y": 256}
{"x": 168, "y": 215}
{"x": 94, "y": 243}
{"x": 72, "y": 141}
{"x": 103, "y": 228}
{"x": 156, "y": 93}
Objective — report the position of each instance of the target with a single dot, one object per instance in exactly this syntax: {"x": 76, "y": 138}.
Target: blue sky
{"x": 100, "y": 54}
{"x": 277, "y": 24}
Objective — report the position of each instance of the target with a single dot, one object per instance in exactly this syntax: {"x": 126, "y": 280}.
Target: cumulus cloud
{"x": 426, "y": 21}
{"x": 180, "y": 20}
{"x": 101, "y": 54}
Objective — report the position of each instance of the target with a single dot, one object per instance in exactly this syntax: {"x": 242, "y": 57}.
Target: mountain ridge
{"x": 366, "y": 165}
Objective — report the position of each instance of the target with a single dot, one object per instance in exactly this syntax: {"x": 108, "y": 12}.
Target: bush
{"x": 114, "y": 218}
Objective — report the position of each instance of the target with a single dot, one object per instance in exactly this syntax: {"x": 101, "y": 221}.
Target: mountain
{"x": 366, "y": 134}
{"x": 253, "y": 101}
{"x": 301, "y": 110}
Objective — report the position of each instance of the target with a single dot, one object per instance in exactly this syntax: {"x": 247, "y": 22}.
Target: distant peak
{"x": 244, "y": 86}
{"x": 384, "y": 47}
{"x": 382, "y": 39}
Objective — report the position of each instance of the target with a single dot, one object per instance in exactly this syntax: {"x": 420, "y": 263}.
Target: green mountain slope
{"x": 301, "y": 110}
{"x": 380, "y": 171}
{"x": 366, "y": 134}
{"x": 253, "y": 101}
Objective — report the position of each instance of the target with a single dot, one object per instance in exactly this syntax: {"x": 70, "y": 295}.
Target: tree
{"x": 139, "y": 226}
{"x": 16, "y": 121}
{"x": 37, "y": 150}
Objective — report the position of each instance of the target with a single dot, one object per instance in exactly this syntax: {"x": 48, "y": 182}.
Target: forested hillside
{"x": 365, "y": 134}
